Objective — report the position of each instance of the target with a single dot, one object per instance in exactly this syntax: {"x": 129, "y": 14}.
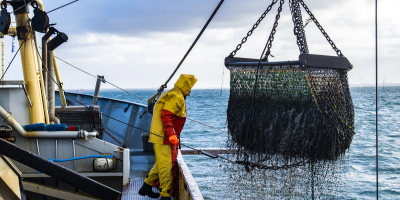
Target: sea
{"x": 209, "y": 106}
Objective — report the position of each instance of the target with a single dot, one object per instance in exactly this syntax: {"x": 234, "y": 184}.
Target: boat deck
{"x": 130, "y": 191}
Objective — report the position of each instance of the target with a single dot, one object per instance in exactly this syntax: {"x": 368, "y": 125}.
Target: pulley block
{"x": 40, "y": 22}
{"x": 5, "y": 19}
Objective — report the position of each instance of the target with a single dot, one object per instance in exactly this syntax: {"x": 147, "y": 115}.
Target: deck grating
{"x": 130, "y": 191}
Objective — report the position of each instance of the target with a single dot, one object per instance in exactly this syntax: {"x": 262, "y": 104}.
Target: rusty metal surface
{"x": 24, "y": 32}
{"x": 130, "y": 191}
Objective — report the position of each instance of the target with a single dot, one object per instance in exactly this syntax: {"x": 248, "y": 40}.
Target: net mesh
{"x": 302, "y": 122}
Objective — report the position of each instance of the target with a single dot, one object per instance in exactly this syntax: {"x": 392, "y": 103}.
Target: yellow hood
{"x": 185, "y": 83}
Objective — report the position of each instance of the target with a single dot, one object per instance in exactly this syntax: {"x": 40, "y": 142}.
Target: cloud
{"x": 137, "y": 44}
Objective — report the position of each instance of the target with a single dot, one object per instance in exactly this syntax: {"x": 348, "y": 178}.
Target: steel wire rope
{"x": 376, "y": 99}
{"x": 62, "y": 6}
{"x": 15, "y": 55}
{"x": 98, "y": 77}
{"x": 22, "y": 6}
{"x": 186, "y": 117}
{"x": 191, "y": 47}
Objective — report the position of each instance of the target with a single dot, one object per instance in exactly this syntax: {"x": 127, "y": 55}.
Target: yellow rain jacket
{"x": 169, "y": 117}
{"x": 171, "y": 105}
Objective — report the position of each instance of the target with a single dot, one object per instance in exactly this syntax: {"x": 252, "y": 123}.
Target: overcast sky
{"x": 137, "y": 44}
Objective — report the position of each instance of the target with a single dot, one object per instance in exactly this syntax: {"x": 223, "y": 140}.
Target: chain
{"x": 272, "y": 34}
{"x": 298, "y": 25}
{"x": 259, "y": 166}
{"x": 338, "y": 52}
{"x": 253, "y": 28}
{"x": 307, "y": 22}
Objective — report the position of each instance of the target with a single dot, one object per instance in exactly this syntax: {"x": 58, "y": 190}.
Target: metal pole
{"x": 56, "y": 147}
{"x": 44, "y": 59}
{"x": 59, "y": 83}
{"x": 51, "y": 87}
{"x": 73, "y": 147}
{"x": 24, "y": 33}
{"x": 97, "y": 89}
{"x": 42, "y": 83}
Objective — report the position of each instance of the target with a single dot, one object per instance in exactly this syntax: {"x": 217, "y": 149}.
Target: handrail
{"x": 188, "y": 183}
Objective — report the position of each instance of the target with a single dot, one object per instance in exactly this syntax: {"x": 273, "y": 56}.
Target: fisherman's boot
{"x": 147, "y": 190}
{"x": 165, "y": 198}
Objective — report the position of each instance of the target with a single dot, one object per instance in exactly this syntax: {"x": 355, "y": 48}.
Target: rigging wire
{"x": 98, "y": 77}
{"x": 186, "y": 117}
{"x": 15, "y": 55}
{"x": 376, "y": 98}
{"x": 22, "y": 6}
{"x": 193, "y": 44}
{"x": 62, "y": 6}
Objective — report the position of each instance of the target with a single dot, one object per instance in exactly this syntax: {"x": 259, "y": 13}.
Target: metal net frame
{"x": 289, "y": 121}
{"x": 298, "y": 112}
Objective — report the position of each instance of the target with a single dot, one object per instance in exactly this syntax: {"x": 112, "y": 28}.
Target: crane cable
{"x": 162, "y": 87}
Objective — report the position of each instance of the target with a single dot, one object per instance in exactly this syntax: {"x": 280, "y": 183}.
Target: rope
{"x": 206, "y": 125}
{"x": 63, "y": 6}
{"x": 97, "y": 77}
{"x": 22, "y": 6}
{"x": 186, "y": 117}
{"x": 376, "y": 97}
{"x": 193, "y": 44}
{"x": 15, "y": 55}
{"x": 109, "y": 134}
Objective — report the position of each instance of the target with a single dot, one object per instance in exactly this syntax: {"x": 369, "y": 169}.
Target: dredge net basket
{"x": 302, "y": 122}
{"x": 298, "y": 112}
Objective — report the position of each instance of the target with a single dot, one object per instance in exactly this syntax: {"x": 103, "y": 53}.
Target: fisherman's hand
{"x": 173, "y": 140}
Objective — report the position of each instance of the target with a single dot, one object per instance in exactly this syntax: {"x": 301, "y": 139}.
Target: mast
{"x": 25, "y": 39}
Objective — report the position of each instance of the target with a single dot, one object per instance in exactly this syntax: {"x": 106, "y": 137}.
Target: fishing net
{"x": 300, "y": 112}
{"x": 289, "y": 122}
{"x": 302, "y": 122}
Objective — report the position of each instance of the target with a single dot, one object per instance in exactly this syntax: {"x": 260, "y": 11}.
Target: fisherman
{"x": 169, "y": 117}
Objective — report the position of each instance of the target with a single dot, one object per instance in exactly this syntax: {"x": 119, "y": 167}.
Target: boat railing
{"x": 188, "y": 189}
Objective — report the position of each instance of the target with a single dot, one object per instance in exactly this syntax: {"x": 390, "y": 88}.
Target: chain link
{"x": 271, "y": 36}
{"x": 253, "y": 28}
{"x": 298, "y": 25}
{"x": 338, "y": 52}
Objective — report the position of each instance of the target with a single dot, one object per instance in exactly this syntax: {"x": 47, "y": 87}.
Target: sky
{"x": 137, "y": 44}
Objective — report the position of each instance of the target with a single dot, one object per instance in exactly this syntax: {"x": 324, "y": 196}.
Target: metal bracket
{"x": 27, "y": 96}
{"x": 6, "y": 116}
{"x": 305, "y": 60}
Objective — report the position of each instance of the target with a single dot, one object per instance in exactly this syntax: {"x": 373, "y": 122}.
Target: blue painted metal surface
{"x": 131, "y": 137}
